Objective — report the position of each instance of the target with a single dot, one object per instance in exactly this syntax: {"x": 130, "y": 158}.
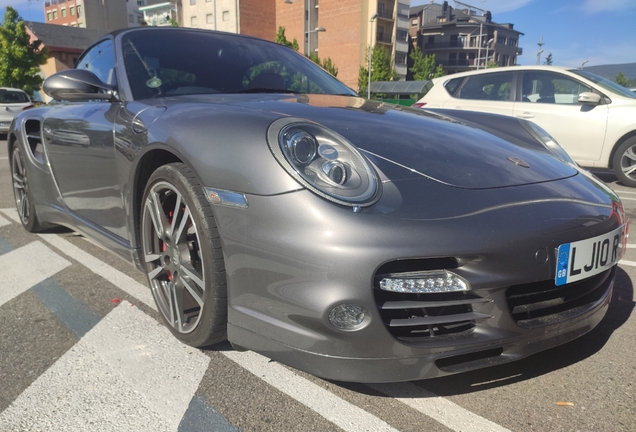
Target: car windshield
{"x": 13, "y": 96}
{"x": 169, "y": 62}
{"x": 605, "y": 83}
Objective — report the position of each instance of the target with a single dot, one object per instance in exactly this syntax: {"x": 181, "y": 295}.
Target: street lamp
{"x": 370, "y": 53}
{"x": 539, "y": 56}
{"x": 487, "y": 46}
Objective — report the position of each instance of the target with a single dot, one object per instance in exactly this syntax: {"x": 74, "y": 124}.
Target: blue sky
{"x": 574, "y": 31}
{"x": 599, "y": 31}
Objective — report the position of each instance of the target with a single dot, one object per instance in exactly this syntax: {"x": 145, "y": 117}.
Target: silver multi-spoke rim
{"x": 20, "y": 186}
{"x": 173, "y": 258}
{"x": 628, "y": 162}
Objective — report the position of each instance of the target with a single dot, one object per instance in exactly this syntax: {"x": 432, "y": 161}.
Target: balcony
{"x": 384, "y": 38}
{"x": 457, "y": 62}
{"x": 445, "y": 45}
{"x": 385, "y": 10}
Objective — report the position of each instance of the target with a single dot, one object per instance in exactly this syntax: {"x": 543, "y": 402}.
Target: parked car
{"x": 593, "y": 118}
{"x": 270, "y": 205}
{"x": 12, "y": 101}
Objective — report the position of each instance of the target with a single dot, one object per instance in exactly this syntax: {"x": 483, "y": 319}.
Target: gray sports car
{"x": 271, "y": 206}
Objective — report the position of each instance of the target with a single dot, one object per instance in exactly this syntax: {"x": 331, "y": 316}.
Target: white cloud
{"x": 593, "y": 6}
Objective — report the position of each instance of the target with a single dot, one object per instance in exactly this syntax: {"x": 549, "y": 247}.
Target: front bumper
{"x": 291, "y": 258}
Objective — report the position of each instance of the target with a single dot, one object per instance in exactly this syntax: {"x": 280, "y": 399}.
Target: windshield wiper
{"x": 265, "y": 90}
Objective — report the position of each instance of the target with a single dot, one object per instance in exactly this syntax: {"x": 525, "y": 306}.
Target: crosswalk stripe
{"x": 345, "y": 415}
{"x": 127, "y": 373}
{"x": 117, "y": 278}
{"x": 26, "y": 266}
{"x": 442, "y": 410}
{"x": 4, "y": 222}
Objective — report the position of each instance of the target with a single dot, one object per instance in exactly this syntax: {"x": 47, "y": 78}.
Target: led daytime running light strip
{"x": 424, "y": 282}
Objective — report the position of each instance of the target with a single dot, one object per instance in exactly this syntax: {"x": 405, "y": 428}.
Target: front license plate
{"x": 585, "y": 258}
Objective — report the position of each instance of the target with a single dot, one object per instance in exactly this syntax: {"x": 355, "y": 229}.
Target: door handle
{"x": 526, "y": 115}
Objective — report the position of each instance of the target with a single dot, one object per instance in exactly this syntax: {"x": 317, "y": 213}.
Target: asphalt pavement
{"x": 82, "y": 348}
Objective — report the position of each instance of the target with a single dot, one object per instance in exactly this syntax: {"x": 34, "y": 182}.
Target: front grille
{"x": 417, "y": 317}
{"x": 542, "y": 303}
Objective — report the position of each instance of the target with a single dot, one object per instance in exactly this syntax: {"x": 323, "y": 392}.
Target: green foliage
{"x": 492, "y": 64}
{"x": 281, "y": 39}
{"x": 20, "y": 59}
{"x": 173, "y": 22}
{"x": 621, "y": 79}
{"x": 424, "y": 67}
{"x": 381, "y": 68}
{"x": 326, "y": 64}
{"x": 548, "y": 60}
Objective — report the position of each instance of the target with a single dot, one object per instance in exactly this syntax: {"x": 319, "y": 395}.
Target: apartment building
{"x": 463, "y": 39}
{"x": 94, "y": 14}
{"x": 344, "y": 29}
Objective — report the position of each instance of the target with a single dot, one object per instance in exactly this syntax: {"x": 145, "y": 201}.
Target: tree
{"x": 381, "y": 68}
{"x": 548, "y": 60}
{"x": 492, "y": 64}
{"x": 621, "y": 79}
{"x": 424, "y": 67}
{"x": 281, "y": 39}
{"x": 20, "y": 59}
{"x": 326, "y": 64}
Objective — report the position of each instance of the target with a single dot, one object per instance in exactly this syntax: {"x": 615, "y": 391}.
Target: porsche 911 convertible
{"x": 271, "y": 206}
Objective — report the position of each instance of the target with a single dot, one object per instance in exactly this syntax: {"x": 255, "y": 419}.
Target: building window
{"x": 193, "y": 21}
{"x": 209, "y": 18}
{"x": 506, "y": 59}
{"x": 402, "y": 35}
{"x": 226, "y": 15}
{"x": 501, "y": 40}
{"x": 72, "y": 10}
{"x": 54, "y": 14}
{"x": 414, "y": 22}
{"x": 400, "y": 58}
{"x": 79, "y": 10}
{"x": 193, "y": 2}
{"x": 208, "y": 1}
{"x": 64, "y": 13}
{"x": 131, "y": 18}
{"x": 48, "y": 16}
{"x": 512, "y": 42}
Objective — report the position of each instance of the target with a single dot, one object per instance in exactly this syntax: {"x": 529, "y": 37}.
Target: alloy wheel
{"x": 20, "y": 186}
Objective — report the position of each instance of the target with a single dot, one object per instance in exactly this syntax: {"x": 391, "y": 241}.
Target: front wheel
{"x": 183, "y": 257}
{"x": 624, "y": 162}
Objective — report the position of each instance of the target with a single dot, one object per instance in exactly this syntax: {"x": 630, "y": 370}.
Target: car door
{"x": 80, "y": 143}
{"x": 550, "y": 99}
{"x": 487, "y": 92}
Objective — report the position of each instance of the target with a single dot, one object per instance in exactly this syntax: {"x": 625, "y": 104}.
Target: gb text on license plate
{"x": 585, "y": 258}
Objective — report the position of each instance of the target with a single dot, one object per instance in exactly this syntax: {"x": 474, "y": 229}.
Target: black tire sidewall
{"x": 212, "y": 327}
{"x": 616, "y": 163}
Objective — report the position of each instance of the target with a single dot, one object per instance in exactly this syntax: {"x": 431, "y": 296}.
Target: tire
{"x": 624, "y": 162}
{"x": 183, "y": 256}
{"x": 21, "y": 191}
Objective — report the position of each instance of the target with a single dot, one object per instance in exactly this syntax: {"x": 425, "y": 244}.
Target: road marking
{"x": 338, "y": 411}
{"x": 627, "y": 199}
{"x": 127, "y": 373}
{"x": 26, "y": 266}
{"x": 4, "y": 221}
{"x": 623, "y": 191}
{"x": 442, "y": 410}
{"x": 111, "y": 274}
{"x": 628, "y": 263}
{"x": 202, "y": 417}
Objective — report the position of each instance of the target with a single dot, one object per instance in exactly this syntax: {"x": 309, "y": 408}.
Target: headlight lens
{"x": 324, "y": 162}
{"x": 546, "y": 139}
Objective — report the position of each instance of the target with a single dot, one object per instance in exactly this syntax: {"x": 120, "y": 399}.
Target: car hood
{"x": 410, "y": 143}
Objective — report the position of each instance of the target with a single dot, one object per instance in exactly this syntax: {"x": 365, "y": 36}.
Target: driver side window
{"x": 100, "y": 59}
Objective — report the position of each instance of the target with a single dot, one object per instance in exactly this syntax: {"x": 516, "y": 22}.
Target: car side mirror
{"x": 77, "y": 84}
{"x": 589, "y": 98}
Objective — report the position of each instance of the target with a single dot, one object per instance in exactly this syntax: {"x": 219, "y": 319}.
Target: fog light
{"x": 436, "y": 281}
{"x": 346, "y": 316}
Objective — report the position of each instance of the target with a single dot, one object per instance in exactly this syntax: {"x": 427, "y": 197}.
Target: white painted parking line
{"x": 4, "y": 222}
{"x": 127, "y": 373}
{"x": 442, "y": 410}
{"x": 628, "y": 263}
{"x": 27, "y": 266}
{"x": 12, "y": 213}
{"x": 626, "y": 199}
{"x": 338, "y": 411}
{"x": 117, "y": 278}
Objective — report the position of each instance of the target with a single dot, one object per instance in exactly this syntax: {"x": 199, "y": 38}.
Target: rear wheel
{"x": 21, "y": 191}
{"x": 625, "y": 162}
{"x": 183, "y": 257}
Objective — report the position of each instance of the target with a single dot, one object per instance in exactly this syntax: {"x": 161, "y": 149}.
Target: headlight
{"x": 546, "y": 139}
{"x": 324, "y": 162}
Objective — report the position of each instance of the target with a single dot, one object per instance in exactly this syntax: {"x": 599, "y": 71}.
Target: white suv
{"x": 12, "y": 101}
{"x": 594, "y": 119}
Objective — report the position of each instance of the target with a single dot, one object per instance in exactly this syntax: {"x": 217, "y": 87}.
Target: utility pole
{"x": 540, "y": 50}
